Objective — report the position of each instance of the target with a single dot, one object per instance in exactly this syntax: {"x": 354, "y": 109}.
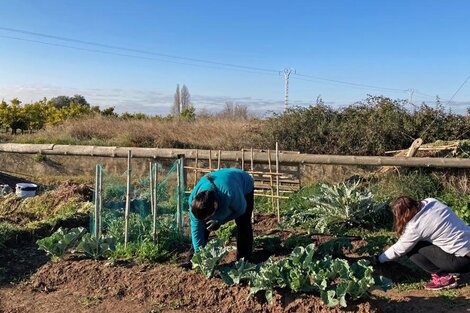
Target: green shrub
{"x": 459, "y": 203}
{"x": 416, "y": 184}
{"x": 336, "y": 209}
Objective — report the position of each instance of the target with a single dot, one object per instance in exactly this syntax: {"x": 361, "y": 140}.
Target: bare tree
{"x": 234, "y": 111}
{"x": 185, "y": 98}
{"x": 176, "y": 109}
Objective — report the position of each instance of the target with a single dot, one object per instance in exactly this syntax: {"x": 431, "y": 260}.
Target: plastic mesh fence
{"x": 113, "y": 202}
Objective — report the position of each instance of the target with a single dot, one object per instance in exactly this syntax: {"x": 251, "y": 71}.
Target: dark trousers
{"x": 434, "y": 260}
{"x": 244, "y": 232}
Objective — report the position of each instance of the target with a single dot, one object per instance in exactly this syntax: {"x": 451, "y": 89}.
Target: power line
{"x": 126, "y": 55}
{"x": 91, "y": 43}
{"x": 448, "y": 102}
{"x": 194, "y": 61}
{"x": 202, "y": 61}
{"x": 350, "y": 83}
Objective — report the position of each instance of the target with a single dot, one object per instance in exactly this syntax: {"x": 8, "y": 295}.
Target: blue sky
{"x": 394, "y": 45}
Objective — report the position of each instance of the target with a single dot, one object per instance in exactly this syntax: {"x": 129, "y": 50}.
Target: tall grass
{"x": 204, "y": 133}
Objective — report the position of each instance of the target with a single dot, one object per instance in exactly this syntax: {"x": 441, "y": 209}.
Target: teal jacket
{"x": 232, "y": 185}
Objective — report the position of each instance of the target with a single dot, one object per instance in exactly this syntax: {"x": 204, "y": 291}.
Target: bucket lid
{"x": 29, "y": 186}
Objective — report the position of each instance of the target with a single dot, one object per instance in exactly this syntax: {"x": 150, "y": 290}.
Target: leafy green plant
{"x": 206, "y": 259}
{"x": 271, "y": 244}
{"x": 226, "y": 231}
{"x": 336, "y": 209}
{"x": 266, "y": 279}
{"x": 62, "y": 241}
{"x": 96, "y": 248}
{"x": 242, "y": 271}
{"x": 335, "y": 246}
{"x": 375, "y": 244}
{"x": 459, "y": 203}
{"x": 334, "y": 279}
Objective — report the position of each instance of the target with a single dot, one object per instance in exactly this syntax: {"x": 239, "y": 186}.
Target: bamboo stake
{"x": 210, "y": 159}
{"x": 128, "y": 199}
{"x": 252, "y": 170}
{"x": 251, "y": 157}
{"x": 155, "y": 202}
{"x": 243, "y": 159}
{"x": 152, "y": 205}
{"x": 95, "y": 221}
{"x": 269, "y": 196}
{"x": 100, "y": 201}
{"x": 218, "y": 160}
{"x": 196, "y": 168}
{"x": 277, "y": 183}
{"x": 271, "y": 180}
{"x": 178, "y": 196}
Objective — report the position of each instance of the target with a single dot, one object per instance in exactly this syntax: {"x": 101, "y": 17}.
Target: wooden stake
{"x": 210, "y": 159}
{"x": 195, "y": 168}
{"x": 97, "y": 202}
{"x": 100, "y": 201}
{"x": 155, "y": 202}
{"x": 152, "y": 205}
{"x": 243, "y": 159}
{"x": 218, "y": 160}
{"x": 128, "y": 199}
{"x": 251, "y": 164}
{"x": 271, "y": 181}
{"x": 277, "y": 183}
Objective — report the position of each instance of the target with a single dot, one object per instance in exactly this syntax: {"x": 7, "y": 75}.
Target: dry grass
{"x": 206, "y": 133}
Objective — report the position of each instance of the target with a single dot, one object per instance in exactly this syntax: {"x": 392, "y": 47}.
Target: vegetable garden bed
{"x": 75, "y": 284}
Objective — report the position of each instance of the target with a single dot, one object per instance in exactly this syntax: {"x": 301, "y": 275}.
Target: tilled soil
{"x": 94, "y": 286}
{"x": 78, "y": 285}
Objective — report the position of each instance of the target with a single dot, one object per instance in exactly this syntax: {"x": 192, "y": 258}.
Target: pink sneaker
{"x": 441, "y": 282}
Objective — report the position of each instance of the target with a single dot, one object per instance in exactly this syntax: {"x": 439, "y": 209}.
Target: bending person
{"x": 218, "y": 197}
{"x": 433, "y": 237}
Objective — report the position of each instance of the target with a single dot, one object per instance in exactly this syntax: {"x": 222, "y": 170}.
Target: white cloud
{"x": 153, "y": 102}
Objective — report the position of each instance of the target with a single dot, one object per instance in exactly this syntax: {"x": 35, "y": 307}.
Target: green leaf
{"x": 206, "y": 259}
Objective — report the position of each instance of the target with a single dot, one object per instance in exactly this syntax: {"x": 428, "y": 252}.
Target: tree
{"x": 4, "y": 115}
{"x": 188, "y": 114}
{"x": 185, "y": 98}
{"x": 109, "y": 112}
{"x": 234, "y": 111}
{"x": 176, "y": 109}
{"x": 35, "y": 114}
{"x": 16, "y": 118}
{"x": 64, "y": 101}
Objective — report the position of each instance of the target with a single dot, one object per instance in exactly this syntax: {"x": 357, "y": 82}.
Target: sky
{"x": 132, "y": 54}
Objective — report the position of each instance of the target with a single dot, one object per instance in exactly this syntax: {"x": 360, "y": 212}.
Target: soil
{"x": 94, "y": 286}
{"x": 79, "y": 285}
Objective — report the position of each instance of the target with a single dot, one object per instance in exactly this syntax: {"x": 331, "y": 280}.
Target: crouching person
{"x": 219, "y": 197}
{"x": 433, "y": 237}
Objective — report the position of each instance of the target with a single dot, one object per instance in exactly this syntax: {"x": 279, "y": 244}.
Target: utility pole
{"x": 287, "y": 72}
{"x": 410, "y": 96}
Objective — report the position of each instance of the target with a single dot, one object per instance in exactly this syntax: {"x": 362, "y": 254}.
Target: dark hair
{"x": 404, "y": 208}
{"x": 202, "y": 205}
